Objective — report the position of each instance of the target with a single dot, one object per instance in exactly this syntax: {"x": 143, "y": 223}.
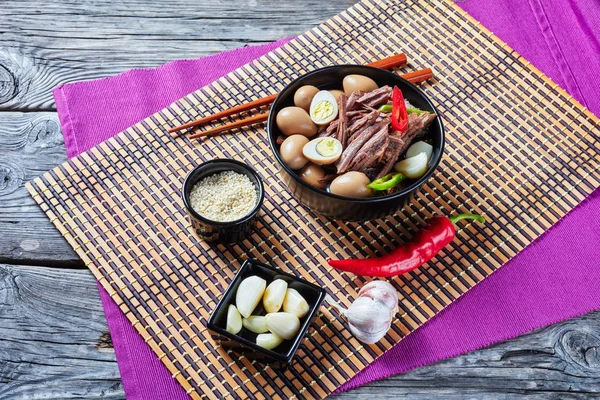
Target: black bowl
{"x": 214, "y": 231}
{"x": 245, "y": 340}
{"x": 348, "y": 208}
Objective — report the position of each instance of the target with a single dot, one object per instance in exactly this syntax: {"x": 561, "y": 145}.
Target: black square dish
{"x": 245, "y": 340}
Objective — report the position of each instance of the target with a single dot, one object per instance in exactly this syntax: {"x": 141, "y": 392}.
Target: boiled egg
{"x": 291, "y": 151}
{"x": 355, "y": 83}
{"x": 323, "y": 108}
{"x": 295, "y": 120}
{"x": 313, "y": 175}
{"x": 351, "y": 184}
{"x": 323, "y": 150}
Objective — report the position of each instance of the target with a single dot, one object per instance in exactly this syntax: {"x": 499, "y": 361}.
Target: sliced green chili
{"x": 416, "y": 111}
{"x": 387, "y": 182}
{"x": 386, "y": 108}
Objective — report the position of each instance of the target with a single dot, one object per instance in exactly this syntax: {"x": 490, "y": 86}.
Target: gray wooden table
{"x": 54, "y": 341}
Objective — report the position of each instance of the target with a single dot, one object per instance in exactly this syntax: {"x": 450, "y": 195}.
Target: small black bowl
{"x": 341, "y": 207}
{"x": 214, "y": 231}
{"x": 245, "y": 340}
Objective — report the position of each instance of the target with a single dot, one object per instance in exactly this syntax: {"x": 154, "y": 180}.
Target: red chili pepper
{"x": 399, "y": 113}
{"x": 423, "y": 247}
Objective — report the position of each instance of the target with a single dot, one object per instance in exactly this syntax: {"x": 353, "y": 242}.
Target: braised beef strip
{"x": 392, "y": 152}
{"x": 352, "y": 100}
{"x": 356, "y": 113}
{"x": 342, "y": 131}
{"x": 360, "y": 123}
{"x": 375, "y": 97}
{"x": 353, "y": 148}
{"x": 372, "y": 151}
{"x": 330, "y": 131}
{"x": 417, "y": 123}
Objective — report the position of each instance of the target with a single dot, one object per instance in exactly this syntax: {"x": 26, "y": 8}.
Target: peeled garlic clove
{"x": 413, "y": 167}
{"x": 419, "y": 147}
{"x": 295, "y": 304}
{"x": 381, "y": 290}
{"x": 274, "y": 295}
{"x": 249, "y": 294}
{"x": 255, "y": 323}
{"x": 369, "y": 319}
{"x": 234, "y": 320}
{"x": 268, "y": 340}
{"x": 284, "y": 325}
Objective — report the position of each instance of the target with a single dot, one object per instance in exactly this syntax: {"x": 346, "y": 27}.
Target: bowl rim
{"x": 224, "y": 161}
{"x": 275, "y": 355}
{"x": 434, "y": 162}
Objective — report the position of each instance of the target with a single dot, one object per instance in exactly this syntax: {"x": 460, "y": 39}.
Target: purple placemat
{"x": 542, "y": 285}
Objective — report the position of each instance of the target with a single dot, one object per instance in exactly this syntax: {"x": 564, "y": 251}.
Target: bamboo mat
{"x": 519, "y": 151}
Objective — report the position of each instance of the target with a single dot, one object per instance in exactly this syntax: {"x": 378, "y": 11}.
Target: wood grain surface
{"x": 56, "y": 345}
{"x": 52, "y": 330}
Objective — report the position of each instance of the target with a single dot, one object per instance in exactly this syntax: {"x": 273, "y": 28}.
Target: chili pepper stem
{"x": 458, "y": 217}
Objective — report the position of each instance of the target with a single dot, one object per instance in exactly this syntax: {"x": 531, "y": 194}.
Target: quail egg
{"x": 351, "y": 184}
{"x": 292, "y": 120}
{"x": 323, "y": 108}
{"x": 323, "y": 150}
{"x": 291, "y": 151}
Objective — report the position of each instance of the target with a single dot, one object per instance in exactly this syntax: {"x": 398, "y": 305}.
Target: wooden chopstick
{"x": 413, "y": 77}
{"x": 419, "y": 76}
{"x": 386, "y": 63}
{"x": 237, "y": 124}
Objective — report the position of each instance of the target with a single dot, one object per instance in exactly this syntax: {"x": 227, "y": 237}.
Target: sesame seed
{"x": 224, "y": 197}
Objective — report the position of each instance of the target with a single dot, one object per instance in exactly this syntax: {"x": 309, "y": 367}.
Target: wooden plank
{"x": 30, "y": 144}
{"x": 68, "y": 41}
{"x": 53, "y": 336}
{"x": 53, "y": 345}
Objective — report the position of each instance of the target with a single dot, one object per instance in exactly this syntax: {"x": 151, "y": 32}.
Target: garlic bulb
{"x": 383, "y": 291}
{"x": 248, "y": 294}
{"x": 255, "y": 323}
{"x": 274, "y": 295}
{"x": 370, "y": 315}
{"x": 284, "y": 325}
{"x": 234, "y": 320}
{"x": 295, "y": 304}
{"x": 268, "y": 340}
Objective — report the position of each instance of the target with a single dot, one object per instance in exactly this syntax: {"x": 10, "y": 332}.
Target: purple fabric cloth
{"x": 542, "y": 285}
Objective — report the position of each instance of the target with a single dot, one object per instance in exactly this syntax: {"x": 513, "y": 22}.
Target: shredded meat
{"x": 417, "y": 123}
{"x": 372, "y": 151}
{"x": 356, "y": 113}
{"x": 352, "y": 100}
{"x": 351, "y": 151}
{"x": 330, "y": 130}
{"x": 391, "y": 154}
{"x": 360, "y": 123}
{"x": 342, "y": 131}
{"x": 375, "y": 97}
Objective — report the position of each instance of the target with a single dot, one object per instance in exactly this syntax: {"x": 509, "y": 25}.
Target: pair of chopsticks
{"x": 386, "y": 63}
